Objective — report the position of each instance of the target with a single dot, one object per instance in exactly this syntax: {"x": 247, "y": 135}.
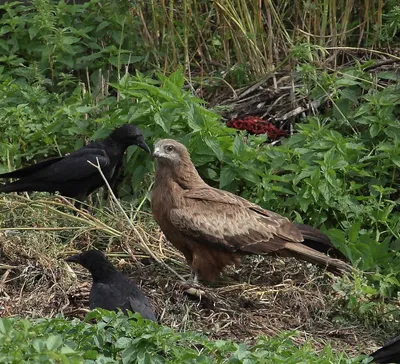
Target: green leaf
{"x": 54, "y": 342}
{"x": 386, "y": 75}
{"x": 128, "y": 355}
{"x": 102, "y": 25}
{"x": 4, "y": 45}
{"x": 160, "y": 121}
{"x": 66, "y": 350}
{"x": 354, "y": 231}
{"x": 227, "y": 176}
{"x": 90, "y": 355}
{"x": 5, "y": 326}
{"x": 213, "y": 144}
{"x": 374, "y": 130}
{"x": 238, "y": 146}
{"x": 302, "y": 175}
{"x": 84, "y": 109}
{"x": 396, "y": 160}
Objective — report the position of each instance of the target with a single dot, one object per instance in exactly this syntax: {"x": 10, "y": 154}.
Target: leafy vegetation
{"x": 70, "y": 72}
{"x": 114, "y": 338}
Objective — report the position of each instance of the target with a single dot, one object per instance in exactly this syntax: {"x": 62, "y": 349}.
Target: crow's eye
{"x": 169, "y": 148}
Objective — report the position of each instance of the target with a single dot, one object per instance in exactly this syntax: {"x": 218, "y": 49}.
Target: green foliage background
{"x": 114, "y": 338}
{"x": 73, "y": 72}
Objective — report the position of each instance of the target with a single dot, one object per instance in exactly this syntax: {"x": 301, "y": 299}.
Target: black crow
{"x": 111, "y": 289}
{"x": 389, "y": 353}
{"x": 72, "y": 175}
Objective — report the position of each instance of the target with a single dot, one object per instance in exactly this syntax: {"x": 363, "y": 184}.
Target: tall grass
{"x": 257, "y": 34}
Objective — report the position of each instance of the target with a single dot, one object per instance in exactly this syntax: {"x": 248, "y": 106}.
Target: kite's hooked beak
{"x": 156, "y": 152}
{"x": 142, "y": 144}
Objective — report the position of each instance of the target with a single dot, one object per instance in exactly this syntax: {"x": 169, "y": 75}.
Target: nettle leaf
{"x": 213, "y": 144}
{"x": 393, "y": 76}
{"x": 348, "y": 80}
{"x": 354, "y": 231}
{"x": 304, "y": 174}
{"x": 160, "y": 121}
{"x": 238, "y": 146}
{"x": 374, "y": 130}
{"x": 227, "y": 176}
{"x": 351, "y": 94}
{"x": 192, "y": 119}
{"x": 396, "y": 161}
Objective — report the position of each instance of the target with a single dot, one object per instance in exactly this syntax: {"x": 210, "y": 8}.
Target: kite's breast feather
{"x": 207, "y": 261}
{"x": 165, "y": 197}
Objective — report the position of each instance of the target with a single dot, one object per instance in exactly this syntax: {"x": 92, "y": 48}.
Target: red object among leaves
{"x": 256, "y": 125}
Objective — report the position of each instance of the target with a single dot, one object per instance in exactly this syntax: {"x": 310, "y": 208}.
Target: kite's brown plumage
{"x": 213, "y": 228}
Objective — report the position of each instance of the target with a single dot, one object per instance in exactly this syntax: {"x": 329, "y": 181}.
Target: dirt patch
{"x": 266, "y": 296}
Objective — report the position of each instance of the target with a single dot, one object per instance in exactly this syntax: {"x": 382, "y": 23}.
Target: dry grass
{"x": 265, "y": 297}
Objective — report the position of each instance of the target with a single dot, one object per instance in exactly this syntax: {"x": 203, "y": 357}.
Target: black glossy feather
{"x": 72, "y": 175}
{"x": 389, "y": 353}
{"x": 111, "y": 289}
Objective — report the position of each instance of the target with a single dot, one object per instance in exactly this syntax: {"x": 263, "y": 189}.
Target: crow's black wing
{"x": 142, "y": 306}
{"x": 389, "y": 353}
{"x": 27, "y": 171}
{"x": 73, "y": 167}
{"x": 120, "y": 293}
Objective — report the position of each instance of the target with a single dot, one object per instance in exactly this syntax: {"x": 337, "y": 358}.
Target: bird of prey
{"x": 72, "y": 175}
{"x": 111, "y": 289}
{"x": 214, "y": 228}
{"x": 389, "y": 353}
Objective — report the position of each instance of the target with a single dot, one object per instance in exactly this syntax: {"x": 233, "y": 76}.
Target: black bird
{"x": 111, "y": 289}
{"x": 388, "y": 353}
{"x": 72, "y": 175}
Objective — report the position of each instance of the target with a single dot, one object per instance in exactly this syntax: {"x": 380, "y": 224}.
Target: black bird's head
{"x": 95, "y": 262}
{"x": 129, "y": 134}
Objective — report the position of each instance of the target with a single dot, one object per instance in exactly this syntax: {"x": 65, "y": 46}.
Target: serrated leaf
{"x": 213, "y": 144}
{"x": 227, "y": 176}
{"x": 160, "y": 121}
{"x": 238, "y": 146}
{"x": 302, "y": 175}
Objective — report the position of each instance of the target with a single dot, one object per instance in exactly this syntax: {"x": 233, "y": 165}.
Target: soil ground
{"x": 266, "y": 296}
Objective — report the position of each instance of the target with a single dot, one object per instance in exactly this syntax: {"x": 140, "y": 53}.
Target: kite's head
{"x": 169, "y": 150}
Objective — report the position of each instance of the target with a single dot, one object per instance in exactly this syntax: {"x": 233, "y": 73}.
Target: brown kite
{"x": 214, "y": 228}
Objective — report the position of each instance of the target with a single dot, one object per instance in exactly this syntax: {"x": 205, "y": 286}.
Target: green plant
{"x": 115, "y": 338}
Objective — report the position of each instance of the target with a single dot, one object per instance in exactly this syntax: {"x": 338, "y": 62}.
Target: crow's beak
{"x": 142, "y": 144}
{"x": 73, "y": 258}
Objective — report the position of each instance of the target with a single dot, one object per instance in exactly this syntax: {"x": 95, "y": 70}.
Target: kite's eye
{"x": 169, "y": 148}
